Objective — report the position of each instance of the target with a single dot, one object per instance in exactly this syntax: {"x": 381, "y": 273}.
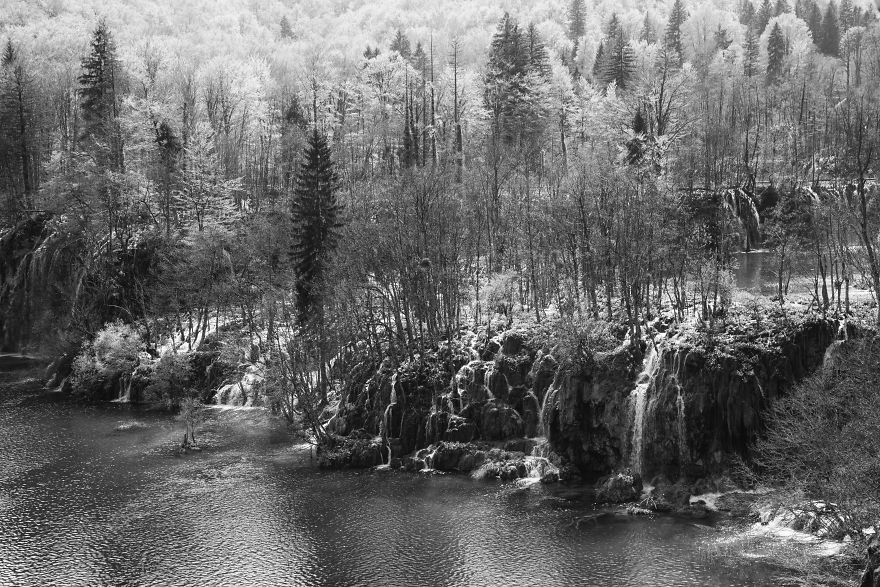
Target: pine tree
{"x": 576, "y": 20}
{"x": 17, "y": 119}
{"x": 648, "y": 34}
{"x": 830, "y": 32}
{"x": 752, "y": 51}
{"x": 747, "y": 13}
{"x": 781, "y": 8}
{"x": 99, "y": 100}
{"x": 776, "y": 50}
{"x": 722, "y": 39}
{"x": 846, "y": 15}
{"x": 286, "y": 30}
{"x": 636, "y": 145}
{"x": 762, "y": 19}
{"x": 613, "y": 27}
{"x": 401, "y": 45}
{"x": 619, "y": 63}
{"x": 599, "y": 62}
{"x": 506, "y": 78}
{"x": 539, "y": 61}
{"x": 814, "y": 23}
{"x": 673, "y": 30}
{"x": 316, "y": 215}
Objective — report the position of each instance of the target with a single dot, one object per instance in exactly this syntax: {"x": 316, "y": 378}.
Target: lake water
{"x": 99, "y": 496}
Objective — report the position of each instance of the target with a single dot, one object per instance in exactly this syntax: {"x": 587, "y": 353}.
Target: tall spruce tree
{"x": 751, "y": 54}
{"x": 673, "y": 30}
{"x": 285, "y": 28}
{"x": 317, "y": 218}
{"x": 17, "y": 119}
{"x": 619, "y": 62}
{"x": 577, "y": 26}
{"x": 100, "y": 96}
{"x": 747, "y": 13}
{"x": 781, "y": 7}
{"x": 776, "y": 50}
{"x": 830, "y": 32}
{"x": 648, "y": 34}
{"x": 599, "y": 62}
{"x": 401, "y": 45}
{"x": 814, "y": 23}
{"x": 762, "y": 18}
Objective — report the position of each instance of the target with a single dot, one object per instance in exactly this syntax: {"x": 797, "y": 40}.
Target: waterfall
{"x": 639, "y": 400}
{"x": 682, "y": 431}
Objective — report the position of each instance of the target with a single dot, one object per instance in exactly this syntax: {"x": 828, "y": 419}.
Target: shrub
{"x": 170, "y": 382}
{"x": 824, "y": 437}
{"x": 112, "y": 353}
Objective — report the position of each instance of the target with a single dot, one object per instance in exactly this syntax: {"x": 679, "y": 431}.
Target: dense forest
{"x": 335, "y": 182}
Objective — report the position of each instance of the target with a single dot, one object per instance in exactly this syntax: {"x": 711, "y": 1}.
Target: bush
{"x": 113, "y": 353}
{"x": 170, "y": 380}
{"x": 824, "y": 437}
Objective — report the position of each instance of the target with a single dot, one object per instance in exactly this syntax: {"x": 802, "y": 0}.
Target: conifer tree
{"x": 673, "y": 30}
{"x": 17, "y": 114}
{"x": 722, "y": 39}
{"x": 599, "y": 62}
{"x": 539, "y": 61}
{"x": 762, "y": 19}
{"x": 401, "y": 45}
{"x": 636, "y": 145}
{"x": 613, "y": 27}
{"x": 781, "y": 7}
{"x": 846, "y": 15}
{"x": 814, "y": 23}
{"x": 619, "y": 62}
{"x": 99, "y": 101}
{"x": 747, "y": 13}
{"x": 751, "y": 53}
{"x": 648, "y": 34}
{"x": 576, "y": 20}
{"x": 316, "y": 215}
{"x": 830, "y": 32}
{"x": 776, "y": 51}
{"x": 286, "y": 29}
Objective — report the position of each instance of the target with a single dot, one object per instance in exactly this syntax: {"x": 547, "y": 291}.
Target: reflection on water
{"x": 97, "y": 495}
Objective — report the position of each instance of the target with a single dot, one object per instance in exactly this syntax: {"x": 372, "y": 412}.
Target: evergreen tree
{"x": 752, "y": 51}
{"x": 762, "y": 19}
{"x": 673, "y": 30}
{"x": 846, "y": 15}
{"x": 99, "y": 100}
{"x": 648, "y": 34}
{"x": 722, "y": 39}
{"x": 619, "y": 62}
{"x": 286, "y": 30}
{"x": 599, "y": 62}
{"x": 506, "y": 84}
{"x": 814, "y": 23}
{"x": 747, "y": 13}
{"x": 635, "y": 147}
{"x": 613, "y": 27}
{"x": 776, "y": 50}
{"x": 17, "y": 119}
{"x": 576, "y": 20}
{"x": 401, "y": 45}
{"x": 781, "y": 8}
{"x": 830, "y": 32}
{"x": 317, "y": 217}
{"x": 539, "y": 61}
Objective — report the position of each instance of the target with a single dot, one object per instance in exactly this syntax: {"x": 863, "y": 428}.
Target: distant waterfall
{"x": 639, "y": 400}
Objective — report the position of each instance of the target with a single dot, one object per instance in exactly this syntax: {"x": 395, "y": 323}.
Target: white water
{"x": 639, "y": 400}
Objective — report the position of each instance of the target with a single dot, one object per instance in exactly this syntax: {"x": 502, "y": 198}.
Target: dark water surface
{"x": 83, "y": 502}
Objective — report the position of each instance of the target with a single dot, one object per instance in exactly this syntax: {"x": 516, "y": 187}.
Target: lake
{"x": 100, "y": 496}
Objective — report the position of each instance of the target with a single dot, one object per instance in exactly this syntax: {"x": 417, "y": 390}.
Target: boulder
{"x": 619, "y": 488}
{"x": 460, "y": 429}
{"x": 500, "y": 422}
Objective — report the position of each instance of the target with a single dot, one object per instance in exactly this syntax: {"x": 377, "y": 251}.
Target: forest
{"x": 313, "y": 195}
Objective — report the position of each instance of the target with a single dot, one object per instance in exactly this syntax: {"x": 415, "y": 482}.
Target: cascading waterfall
{"x": 639, "y": 400}
{"x": 682, "y": 431}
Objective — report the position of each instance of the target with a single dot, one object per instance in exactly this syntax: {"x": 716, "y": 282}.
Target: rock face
{"x": 586, "y": 411}
{"x": 488, "y": 394}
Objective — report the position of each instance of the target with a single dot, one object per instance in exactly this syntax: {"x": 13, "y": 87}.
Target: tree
{"x": 17, "y": 121}
{"x": 814, "y": 23}
{"x": 317, "y": 217}
{"x": 286, "y": 30}
{"x": 576, "y": 20}
{"x": 99, "y": 99}
{"x": 781, "y": 8}
{"x": 599, "y": 62}
{"x": 775, "y": 54}
{"x": 673, "y": 30}
{"x": 762, "y": 19}
{"x": 830, "y": 44}
{"x": 648, "y": 34}
{"x": 401, "y": 45}
{"x": 751, "y": 54}
{"x": 747, "y": 13}
{"x": 619, "y": 62}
